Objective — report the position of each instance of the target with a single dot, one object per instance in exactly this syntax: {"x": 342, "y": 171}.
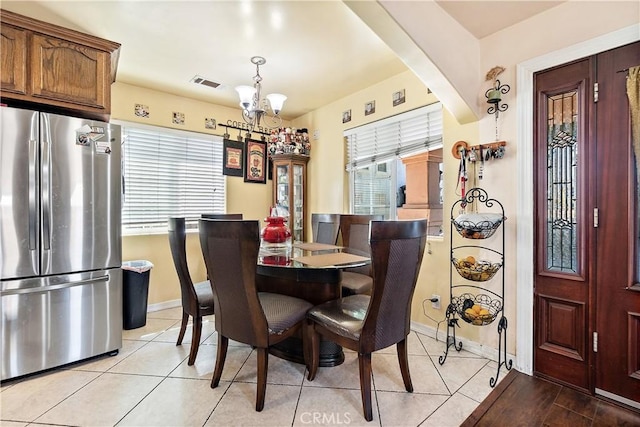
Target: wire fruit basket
{"x": 478, "y": 271}
{"x": 477, "y": 226}
{"x": 478, "y": 309}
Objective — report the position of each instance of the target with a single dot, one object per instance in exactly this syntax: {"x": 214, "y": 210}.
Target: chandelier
{"x": 255, "y": 109}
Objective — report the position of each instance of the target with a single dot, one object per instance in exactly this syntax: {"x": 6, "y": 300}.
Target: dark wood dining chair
{"x": 222, "y": 216}
{"x": 243, "y": 314}
{"x": 197, "y": 299}
{"x": 354, "y": 232}
{"x": 325, "y": 228}
{"x": 364, "y": 323}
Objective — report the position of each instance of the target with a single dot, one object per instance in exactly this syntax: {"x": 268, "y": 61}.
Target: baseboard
{"x": 164, "y": 305}
{"x": 468, "y": 345}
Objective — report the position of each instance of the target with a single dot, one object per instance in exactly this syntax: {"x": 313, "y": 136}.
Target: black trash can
{"x": 135, "y": 293}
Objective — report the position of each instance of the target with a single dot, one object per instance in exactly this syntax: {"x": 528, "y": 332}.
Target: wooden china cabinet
{"x": 290, "y": 190}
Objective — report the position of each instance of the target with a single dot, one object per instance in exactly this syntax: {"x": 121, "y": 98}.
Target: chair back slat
{"x": 354, "y": 231}
{"x": 397, "y": 249}
{"x": 177, "y": 243}
{"x": 325, "y": 228}
{"x": 230, "y": 249}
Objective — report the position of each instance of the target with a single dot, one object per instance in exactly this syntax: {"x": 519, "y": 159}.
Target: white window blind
{"x": 170, "y": 173}
{"x": 399, "y": 136}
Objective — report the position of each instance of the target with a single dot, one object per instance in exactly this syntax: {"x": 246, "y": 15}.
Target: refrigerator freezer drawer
{"x": 54, "y": 325}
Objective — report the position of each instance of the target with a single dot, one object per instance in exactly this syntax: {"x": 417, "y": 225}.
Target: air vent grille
{"x": 205, "y": 82}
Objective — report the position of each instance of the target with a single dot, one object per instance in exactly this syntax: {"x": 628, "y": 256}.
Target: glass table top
{"x": 312, "y": 255}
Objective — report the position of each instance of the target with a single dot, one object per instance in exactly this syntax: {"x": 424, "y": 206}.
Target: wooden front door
{"x": 617, "y": 248}
{"x": 587, "y": 301}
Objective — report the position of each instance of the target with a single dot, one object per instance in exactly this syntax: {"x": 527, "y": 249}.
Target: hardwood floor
{"x": 521, "y": 400}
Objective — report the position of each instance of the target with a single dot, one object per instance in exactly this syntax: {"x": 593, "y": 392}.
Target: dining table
{"x": 313, "y": 272}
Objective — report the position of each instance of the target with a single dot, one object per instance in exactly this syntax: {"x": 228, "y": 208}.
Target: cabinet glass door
{"x": 282, "y": 190}
{"x": 298, "y": 197}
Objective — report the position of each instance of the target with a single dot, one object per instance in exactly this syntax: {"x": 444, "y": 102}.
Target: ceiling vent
{"x": 205, "y": 82}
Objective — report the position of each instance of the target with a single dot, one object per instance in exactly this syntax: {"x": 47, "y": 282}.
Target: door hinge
{"x": 595, "y": 92}
{"x": 595, "y": 217}
{"x": 595, "y": 342}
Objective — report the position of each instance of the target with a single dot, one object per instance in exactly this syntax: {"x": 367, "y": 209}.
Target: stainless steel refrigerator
{"x": 60, "y": 244}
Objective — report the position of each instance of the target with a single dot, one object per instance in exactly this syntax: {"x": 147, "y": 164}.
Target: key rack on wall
{"x": 491, "y": 150}
{"x": 476, "y": 288}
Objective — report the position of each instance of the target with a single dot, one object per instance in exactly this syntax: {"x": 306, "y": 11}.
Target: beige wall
{"x": 252, "y": 200}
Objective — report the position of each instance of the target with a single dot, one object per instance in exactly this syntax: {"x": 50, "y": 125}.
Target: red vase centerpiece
{"x": 276, "y": 234}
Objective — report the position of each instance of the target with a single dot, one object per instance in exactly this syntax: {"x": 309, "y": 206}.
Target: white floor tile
{"x": 452, "y": 413}
{"x": 106, "y": 362}
{"x": 103, "y": 402}
{"x": 30, "y": 398}
{"x": 345, "y": 375}
{"x": 171, "y": 334}
{"x": 478, "y": 387}
{"x": 424, "y": 375}
{"x": 414, "y": 346}
{"x": 456, "y": 371}
{"x": 201, "y": 369}
{"x": 280, "y": 371}
{"x": 150, "y": 330}
{"x": 174, "y": 313}
{"x": 321, "y": 406}
{"x": 398, "y": 409}
{"x": 237, "y": 406}
{"x": 154, "y": 358}
{"x": 176, "y": 402}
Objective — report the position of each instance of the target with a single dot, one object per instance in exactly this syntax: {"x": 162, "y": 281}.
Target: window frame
{"x": 185, "y": 175}
{"x": 433, "y": 140}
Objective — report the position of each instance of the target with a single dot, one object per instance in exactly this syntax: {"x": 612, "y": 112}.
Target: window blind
{"x": 403, "y": 135}
{"x": 170, "y": 173}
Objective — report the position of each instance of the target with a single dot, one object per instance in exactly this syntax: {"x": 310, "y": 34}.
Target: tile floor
{"x": 150, "y": 384}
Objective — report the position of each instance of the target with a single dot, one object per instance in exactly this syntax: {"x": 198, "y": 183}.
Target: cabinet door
{"x": 282, "y": 187}
{"x": 297, "y": 224}
{"x": 13, "y": 73}
{"x": 69, "y": 72}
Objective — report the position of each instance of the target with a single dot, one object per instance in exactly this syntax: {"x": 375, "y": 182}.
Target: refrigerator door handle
{"x": 46, "y": 182}
{"x": 98, "y": 279}
{"x": 33, "y": 207}
{"x": 122, "y": 174}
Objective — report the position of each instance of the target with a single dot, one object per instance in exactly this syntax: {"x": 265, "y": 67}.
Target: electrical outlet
{"x": 435, "y": 304}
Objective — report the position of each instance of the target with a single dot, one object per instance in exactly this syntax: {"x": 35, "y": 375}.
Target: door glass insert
{"x": 562, "y": 189}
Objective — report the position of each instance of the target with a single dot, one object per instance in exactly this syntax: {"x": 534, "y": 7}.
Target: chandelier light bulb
{"x": 276, "y": 101}
{"x": 246, "y": 94}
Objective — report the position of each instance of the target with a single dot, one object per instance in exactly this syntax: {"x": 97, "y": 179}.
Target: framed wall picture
{"x": 369, "y": 108}
{"x": 209, "y": 123}
{"x": 346, "y": 116}
{"x": 398, "y": 97}
{"x": 232, "y": 158}
{"x": 255, "y": 168}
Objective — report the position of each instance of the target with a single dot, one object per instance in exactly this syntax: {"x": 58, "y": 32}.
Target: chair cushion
{"x": 282, "y": 311}
{"x": 344, "y": 316}
{"x": 204, "y": 293}
{"x": 356, "y": 283}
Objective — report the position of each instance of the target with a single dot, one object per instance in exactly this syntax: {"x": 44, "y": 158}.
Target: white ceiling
{"x": 317, "y": 51}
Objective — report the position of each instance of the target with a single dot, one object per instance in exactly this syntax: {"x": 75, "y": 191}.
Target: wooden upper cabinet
{"x": 13, "y": 73}
{"x": 47, "y": 65}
